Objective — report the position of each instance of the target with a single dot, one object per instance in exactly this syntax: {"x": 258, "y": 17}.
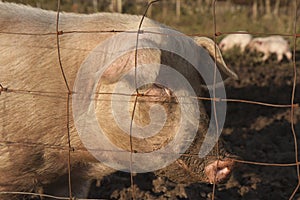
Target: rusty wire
{"x": 214, "y": 96}
{"x": 58, "y": 32}
{"x": 292, "y": 102}
{"x": 137, "y": 93}
{"x": 64, "y": 148}
{"x": 216, "y": 99}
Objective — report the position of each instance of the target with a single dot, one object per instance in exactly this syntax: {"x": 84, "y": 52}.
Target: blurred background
{"x": 194, "y": 16}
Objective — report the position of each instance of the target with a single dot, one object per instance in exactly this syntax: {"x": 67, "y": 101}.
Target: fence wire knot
{"x": 60, "y": 32}
{"x": 141, "y": 31}
{"x": 216, "y": 99}
{"x": 2, "y": 89}
{"x": 218, "y": 33}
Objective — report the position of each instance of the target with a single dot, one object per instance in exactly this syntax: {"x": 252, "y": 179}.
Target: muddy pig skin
{"x": 33, "y": 102}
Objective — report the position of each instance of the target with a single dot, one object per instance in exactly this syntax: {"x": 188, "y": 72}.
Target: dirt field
{"x": 252, "y": 132}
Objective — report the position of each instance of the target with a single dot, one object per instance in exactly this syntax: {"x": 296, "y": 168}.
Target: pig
{"x": 272, "y": 44}
{"x": 235, "y": 40}
{"x": 34, "y": 150}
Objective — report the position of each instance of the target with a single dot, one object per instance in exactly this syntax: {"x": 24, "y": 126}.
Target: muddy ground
{"x": 252, "y": 132}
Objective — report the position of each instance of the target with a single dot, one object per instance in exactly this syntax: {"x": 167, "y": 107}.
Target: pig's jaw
{"x": 218, "y": 170}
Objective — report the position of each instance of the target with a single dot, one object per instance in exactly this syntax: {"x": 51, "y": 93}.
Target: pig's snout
{"x": 219, "y": 170}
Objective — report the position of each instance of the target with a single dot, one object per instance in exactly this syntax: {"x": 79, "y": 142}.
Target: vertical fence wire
{"x": 292, "y": 114}
{"x": 137, "y": 93}
{"x": 214, "y": 96}
{"x": 58, "y": 33}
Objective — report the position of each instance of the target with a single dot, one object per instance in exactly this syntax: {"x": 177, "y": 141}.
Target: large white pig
{"x": 33, "y": 101}
{"x": 239, "y": 40}
{"x": 271, "y": 45}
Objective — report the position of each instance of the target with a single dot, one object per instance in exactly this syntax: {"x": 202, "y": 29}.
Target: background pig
{"x": 34, "y": 142}
{"x": 273, "y": 44}
{"x": 235, "y": 40}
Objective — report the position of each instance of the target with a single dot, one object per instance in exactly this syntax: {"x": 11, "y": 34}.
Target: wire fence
{"x": 67, "y": 97}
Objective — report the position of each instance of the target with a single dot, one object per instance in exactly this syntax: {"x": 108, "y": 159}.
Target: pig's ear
{"x": 209, "y": 45}
{"x": 259, "y": 42}
{"x": 222, "y": 45}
